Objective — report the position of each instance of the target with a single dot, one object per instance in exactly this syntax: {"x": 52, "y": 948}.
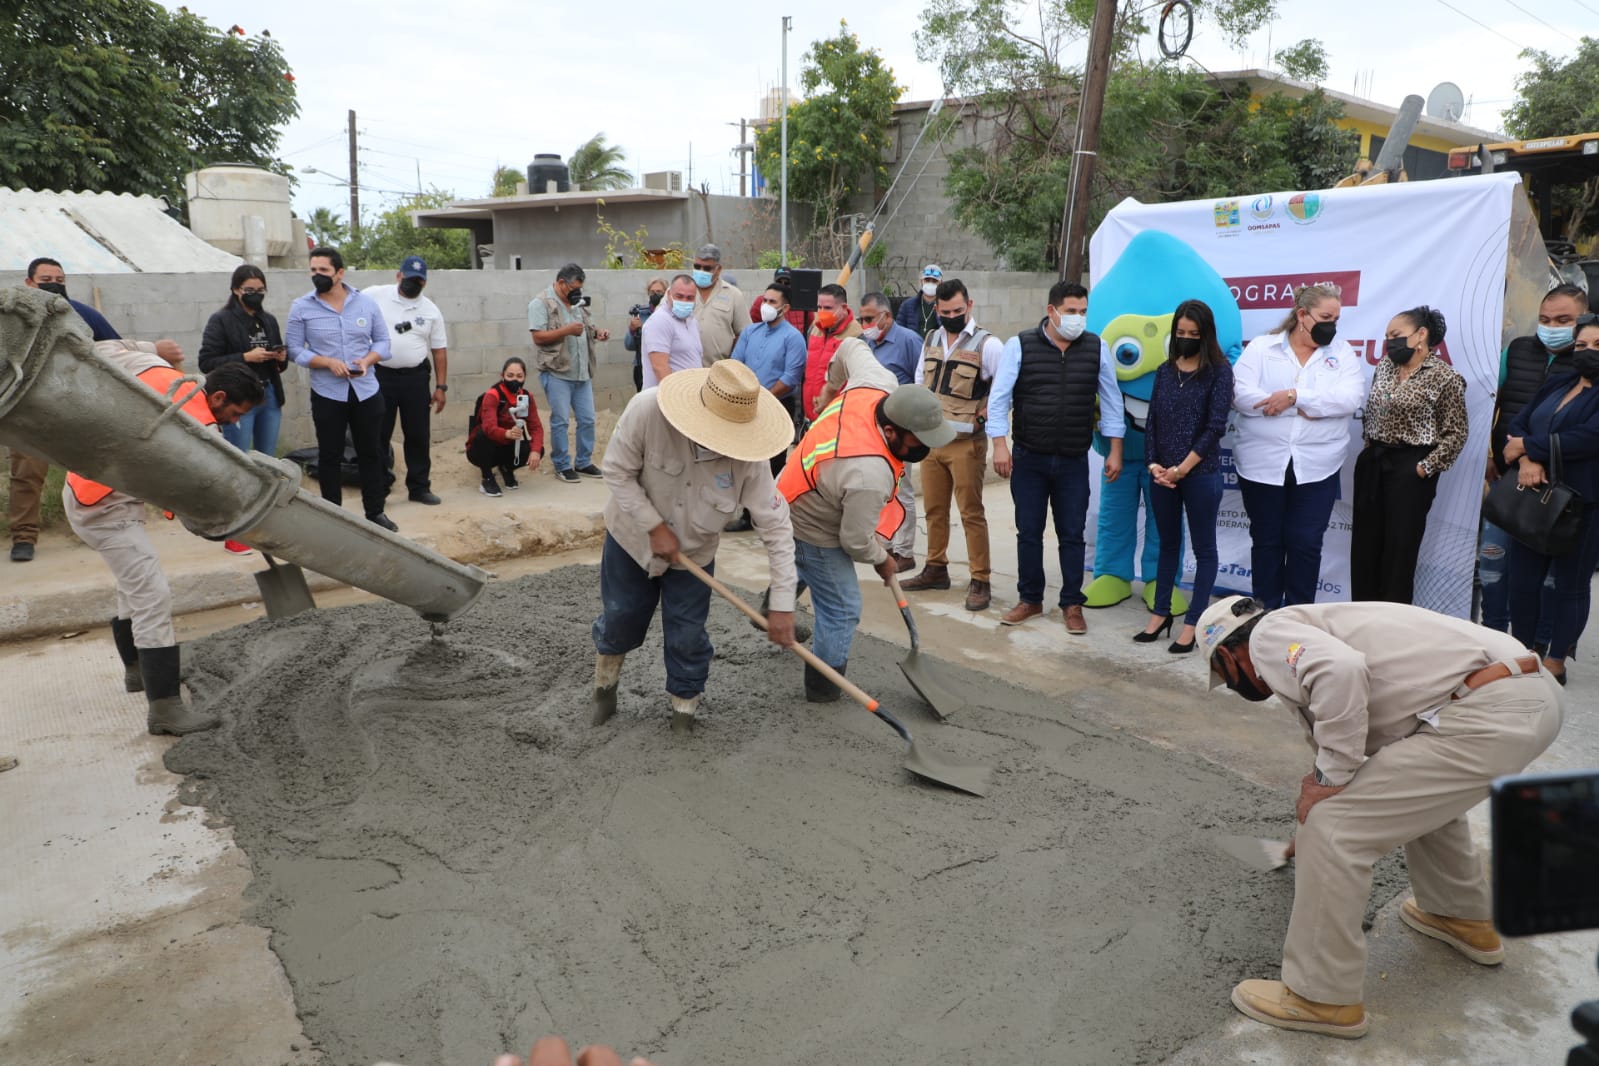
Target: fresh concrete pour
{"x": 453, "y": 862}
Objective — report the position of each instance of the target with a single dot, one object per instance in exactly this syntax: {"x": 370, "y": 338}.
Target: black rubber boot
{"x": 122, "y": 634}
{"x": 819, "y": 689}
{"x": 168, "y": 713}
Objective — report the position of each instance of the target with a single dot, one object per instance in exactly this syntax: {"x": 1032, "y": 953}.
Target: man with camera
{"x": 563, "y": 341}
{"x": 1412, "y": 715}
{"x": 416, "y": 331}
{"x": 637, "y": 315}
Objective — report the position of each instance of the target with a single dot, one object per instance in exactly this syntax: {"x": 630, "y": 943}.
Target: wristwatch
{"x": 442, "y": 387}
{"x": 1321, "y": 779}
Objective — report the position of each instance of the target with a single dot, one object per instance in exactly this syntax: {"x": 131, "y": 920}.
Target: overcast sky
{"x": 453, "y": 89}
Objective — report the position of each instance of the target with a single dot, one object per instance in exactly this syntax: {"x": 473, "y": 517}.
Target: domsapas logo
{"x": 1260, "y": 209}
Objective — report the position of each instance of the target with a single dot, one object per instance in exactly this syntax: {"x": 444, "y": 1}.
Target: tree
{"x": 125, "y": 96}
{"x": 392, "y": 236}
{"x": 1305, "y": 61}
{"x": 837, "y": 135}
{"x": 505, "y": 181}
{"x": 326, "y": 227}
{"x": 1557, "y": 98}
{"x": 598, "y": 166}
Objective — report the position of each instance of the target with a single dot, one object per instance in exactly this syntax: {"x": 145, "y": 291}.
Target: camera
{"x": 640, "y": 310}
{"x": 521, "y": 408}
{"x": 402, "y": 327}
{"x": 583, "y": 301}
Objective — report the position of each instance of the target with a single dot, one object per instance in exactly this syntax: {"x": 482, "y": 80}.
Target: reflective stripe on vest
{"x": 158, "y": 379}
{"x": 846, "y": 429}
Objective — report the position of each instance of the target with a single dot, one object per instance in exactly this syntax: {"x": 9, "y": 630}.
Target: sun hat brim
{"x": 771, "y": 430}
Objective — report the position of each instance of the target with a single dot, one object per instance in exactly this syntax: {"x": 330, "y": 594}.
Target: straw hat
{"x": 726, "y": 410}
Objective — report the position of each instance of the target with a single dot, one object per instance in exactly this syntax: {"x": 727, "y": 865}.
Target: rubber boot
{"x": 684, "y": 708}
{"x": 168, "y": 713}
{"x": 818, "y": 689}
{"x": 607, "y": 675}
{"x": 122, "y": 635}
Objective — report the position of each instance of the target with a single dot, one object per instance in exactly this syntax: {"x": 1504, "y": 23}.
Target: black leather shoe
{"x": 425, "y": 497}
{"x": 383, "y": 520}
{"x": 21, "y": 552}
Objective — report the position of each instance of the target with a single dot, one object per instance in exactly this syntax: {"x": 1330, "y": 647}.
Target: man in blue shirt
{"x": 897, "y": 348}
{"x": 339, "y": 335}
{"x": 775, "y": 351}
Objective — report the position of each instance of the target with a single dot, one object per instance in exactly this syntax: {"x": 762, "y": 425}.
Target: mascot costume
{"x": 1131, "y": 310}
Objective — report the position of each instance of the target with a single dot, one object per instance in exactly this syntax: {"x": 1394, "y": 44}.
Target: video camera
{"x": 640, "y": 310}
{"x": 402, "y": 327}
{"x": 1546, "y": 868}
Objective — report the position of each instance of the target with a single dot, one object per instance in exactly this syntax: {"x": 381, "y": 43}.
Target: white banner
{"x": 1390, "y": 248}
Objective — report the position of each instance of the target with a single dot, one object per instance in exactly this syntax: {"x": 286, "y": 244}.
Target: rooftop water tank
{"x": 545, "y": 168}
{"x": 221, "y": 197}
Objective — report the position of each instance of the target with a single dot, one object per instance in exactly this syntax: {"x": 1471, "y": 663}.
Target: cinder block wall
{"x": 486, "y": 314}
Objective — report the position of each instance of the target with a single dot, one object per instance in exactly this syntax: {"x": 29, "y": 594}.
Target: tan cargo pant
{"x": 957, "y": 470}
{"x": 1414, "y": 792}
{"x": 116, "y": 531}
{"x": 27, "y": 485}
{"x": 904, "y": 542}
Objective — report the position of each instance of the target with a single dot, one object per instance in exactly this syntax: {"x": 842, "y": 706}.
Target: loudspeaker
{"x": 804, "y": 285}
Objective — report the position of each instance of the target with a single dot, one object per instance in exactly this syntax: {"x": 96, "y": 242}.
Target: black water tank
{"x": 545, "y": 168}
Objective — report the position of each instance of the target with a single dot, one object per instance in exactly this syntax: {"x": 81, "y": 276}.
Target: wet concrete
{"x": 451, "y": 862}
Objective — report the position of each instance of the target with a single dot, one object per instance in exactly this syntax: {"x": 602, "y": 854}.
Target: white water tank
{"x": 222, "y": 197}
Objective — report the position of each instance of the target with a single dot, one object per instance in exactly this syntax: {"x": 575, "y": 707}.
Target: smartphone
{"x": 1545, "y": 852}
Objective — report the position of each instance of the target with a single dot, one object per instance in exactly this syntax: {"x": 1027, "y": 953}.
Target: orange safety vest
{"x": 846, "y": 429}
{"x": 159, "y": 379}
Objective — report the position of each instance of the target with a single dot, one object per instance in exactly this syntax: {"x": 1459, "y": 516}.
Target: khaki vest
{"x": 958, "y": 378}
{"x": 555, "y": 357}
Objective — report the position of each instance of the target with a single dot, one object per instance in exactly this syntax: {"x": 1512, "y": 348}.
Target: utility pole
{"x": 743, "y": 155}
{"x": 782, "y": 198}
{"x": 355, "y": 186}
{"x": 1089, "y": 109}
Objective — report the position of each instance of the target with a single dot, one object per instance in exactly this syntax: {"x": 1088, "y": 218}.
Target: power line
{"x": 1484, "y": 25}
{"x": 1585, "y": 7}
{"x": 1551, "y": 25}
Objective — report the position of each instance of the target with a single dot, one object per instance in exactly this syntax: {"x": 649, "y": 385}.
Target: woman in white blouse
{"x": 1296, "y": 389}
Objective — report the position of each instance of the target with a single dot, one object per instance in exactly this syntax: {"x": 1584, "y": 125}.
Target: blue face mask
{"x": 682, "y": 308}
{"x": 1556, "y": 338}
{"x": 702, "y": 278}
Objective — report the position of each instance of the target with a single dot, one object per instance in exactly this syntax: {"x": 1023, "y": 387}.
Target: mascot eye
{"x": 1127, "y": 351}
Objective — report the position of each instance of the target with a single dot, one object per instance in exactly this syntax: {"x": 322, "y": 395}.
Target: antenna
{"x": 1446, "y": 101}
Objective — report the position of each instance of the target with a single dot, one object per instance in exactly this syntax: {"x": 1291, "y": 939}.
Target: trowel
{"x": 1255, "y": 852}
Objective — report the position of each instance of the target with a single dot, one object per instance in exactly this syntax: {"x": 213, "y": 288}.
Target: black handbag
{"x": 1547, "y": 519}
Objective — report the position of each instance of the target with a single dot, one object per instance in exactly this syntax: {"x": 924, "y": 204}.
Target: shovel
{"x": 283, "y": 589}
{"x": 922, "y": 673}
{"x": 971, "y": 779}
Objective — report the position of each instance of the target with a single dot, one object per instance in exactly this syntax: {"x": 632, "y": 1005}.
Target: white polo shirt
{"x": 1314, "y": 433}
{"x": 412, "y": 347}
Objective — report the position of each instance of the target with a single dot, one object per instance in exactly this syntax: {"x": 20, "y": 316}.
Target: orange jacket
{"x": 846, "y": 429}
{"x": 158, "y": 379}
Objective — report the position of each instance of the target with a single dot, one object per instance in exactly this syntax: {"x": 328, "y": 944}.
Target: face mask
{"x": 323, "y": 283}
{"x": 930, "y": 289}
{"x": 1586, "y": 363}
{"x": 1185, "y": 347}
{"x": 1555, "y": 338}
{"x": 827, "y": 319}
{"x": 910, "y": 455}
{"x": 59, "y": 288}
{"x": 682, "y": 308}
{"x": 1246, "y": 688}
{"x": 703, "y": 278}
{"x": 1397, "y": 350}
{"x": 1322, "y": 333}
{"x": 411, "y": 288}
{"x": 574, "y": 295}
{"x": 952, "y": 323}
{"x": 252, "y": 300}
{"x": 655, "y": 299}
{"x": 872, "y": 335}
{"x": 514, "y": 386}
{"x": 1071, "y": 326}
{"x": 768, "y": 313}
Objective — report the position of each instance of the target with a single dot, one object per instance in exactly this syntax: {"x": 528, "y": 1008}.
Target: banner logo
{"x": 1227, "y": 215}
{"x": 1260, "y": 207}
{"x": 1305, "y": 207}
{"x": 1272, "y": 291}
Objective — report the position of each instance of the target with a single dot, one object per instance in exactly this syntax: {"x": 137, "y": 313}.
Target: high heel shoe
{"x": 1150, "y": 638}
{"x": 1177, "y": 648}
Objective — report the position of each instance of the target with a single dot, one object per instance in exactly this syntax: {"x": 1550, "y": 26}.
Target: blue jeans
{"x": 628, "y": 597}
{"x": 1493, "y": 573}
{"x": 1554, "y": 617}
{"x": 259, "y": 428}
{"x": 1200, "y": 496}
{"x": 835, "y": 598}
{"x": 1286, "y": 526}
{"x": 567, "y": 398}
{"x": 1040, "y": 484}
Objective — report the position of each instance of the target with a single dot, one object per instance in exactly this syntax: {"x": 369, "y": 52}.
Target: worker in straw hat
{"x": 1412, "y": 714}
{"x": 685, "y": 458}
{"x": 843, "y": 484}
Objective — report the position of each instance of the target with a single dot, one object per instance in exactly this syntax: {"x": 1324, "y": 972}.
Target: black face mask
{"x": 1586, "y": 363}
{"x": 908, "y": 455}
{"x": 953, "y": 323}
{"x": 1185, "y": 347}
{"x": 323, "y": 283}
{"x": 411, "y": 288}
{"x": 655, "y": 299}
{"x": 57, "y": 287}
{"x": 1397, "y": 350}
{"x": 574, "y": 295}
{"x": 1322, "y": 333}
{"x": 1247, "y": 689}
{"x": 252, "y": 300}
{"x": 514, "y": 386}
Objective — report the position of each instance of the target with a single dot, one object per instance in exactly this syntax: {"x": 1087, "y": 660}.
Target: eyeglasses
{"x": 706, "y": 266}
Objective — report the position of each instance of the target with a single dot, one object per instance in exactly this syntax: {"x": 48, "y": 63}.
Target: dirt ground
{"x": 452, "y": 862}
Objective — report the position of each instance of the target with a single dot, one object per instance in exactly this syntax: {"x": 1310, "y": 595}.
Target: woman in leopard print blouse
{"x": 1414, "y": 427}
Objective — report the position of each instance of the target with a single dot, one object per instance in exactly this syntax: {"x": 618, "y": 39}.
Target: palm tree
{"x": 596, "y": 165}
{"x": 326, "y": 227}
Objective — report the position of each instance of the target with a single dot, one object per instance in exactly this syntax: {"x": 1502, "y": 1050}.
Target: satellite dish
{"x": 1446, "y": 101}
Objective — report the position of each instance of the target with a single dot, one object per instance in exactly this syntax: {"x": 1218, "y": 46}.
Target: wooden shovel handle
{"x": 899, "y": 593}
{"x": 801, "y": 650}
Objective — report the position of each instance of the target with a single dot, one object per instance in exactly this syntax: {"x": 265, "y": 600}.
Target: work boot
{"x": 1076, "y": 624}
{"x": 122, "y": 636}
{"x": 978, "y": 596}
{"x": 902, "y": 563}
{"x": 607, "y": 676}
{"x": 683, "y": 710}
{"x": 1276, "y": 1004}
{"x": 1475, "y": 939}
{"x": 802, "y": 628}
{"x": 1021, "y": 613}
{"x": 933, "y": 576}
{"x": 819, "y": 689}
{"x": 168, "y": 713}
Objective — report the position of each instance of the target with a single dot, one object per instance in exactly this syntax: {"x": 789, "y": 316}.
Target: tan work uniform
{"x": 722, "y": 317}
{"x": 956, "y": 470}
{"x": 1379, "y": 688}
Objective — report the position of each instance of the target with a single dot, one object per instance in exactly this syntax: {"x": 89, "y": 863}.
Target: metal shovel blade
{"x": 284, "y": 592}
{"x": 972, "y": 780}
{"x": 1254, "y": 852}
{"x": 922, "y": 673}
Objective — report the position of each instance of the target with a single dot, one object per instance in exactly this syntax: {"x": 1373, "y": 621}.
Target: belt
{"x": 1526, "y": 664}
